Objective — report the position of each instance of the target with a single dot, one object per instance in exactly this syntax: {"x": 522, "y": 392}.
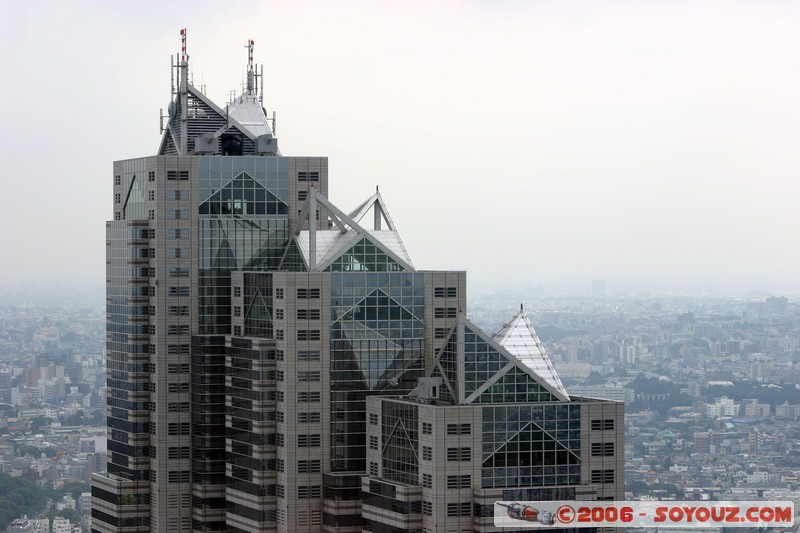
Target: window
{"x": 308, "y": 418}
{"x": 151, "y": 195}
{"x": 308, "y": 314}
{"x": 308, "y": 376}
{"x": 308, "y": 294}
{"x": 459, "y": 482}
{"x": 175, "y": 428}
{"x": 308, "y": 176}
{"x": 151, "y": 176}
{"x": 458, "y": 429}
{"x": 182, "y": 476}
{"x": 151, "y": 214}
{"x": 172, "y": 175}
{"x": 183, "y": 452}
{"x": 314, "y": 396}
{"x": 302, "y": 195}
{"x": 178, "y": 310}
{"x": 177, "y": 387}
{"x": 175, "y": 233}
{"x": 279, "y": 294}
{"x": 178, "y": 407}
{"x": 373, "y": 442}
{"x": 427, "y": 481}
{"x": 602, "y": 476}
{"x": 373, "y": 469}
{"x": 313, "y": 440}
{"x": 305, "y": 492}
{"x": 279, "y": 334}
{"x": 308, "y": 334}
{"x": 445, "y": 312}
{"x": 237, "y": 331}
{"x": 311, "y": 466}
{"x": 427, "y": 428}
{"x": 237, "y": 292}
{"x": 179, "y": 272}
{"x": 178, "y": 329}
{"x": 178, "y": 291}
{"x": 117, "y": 180}
{"x": 278, "y": 314}
{"x": 603, "y": 425}
{"x": 117, "y": 198}
{"x": 427, "y": 453}
{"x": 459, "y": 509}
{"x": 306, "y": 355}
{"x": 237, "y": 310}
{"x": 178, "y": 195}
{"x": 439, "y": 333}
{"x": 175, "y": 368}
{"x": 373, "y": 418}
{"x": 459, "y": 454}
{"x": 602, "y": 449}
{"x": 183, "y": 175}
{"x": 427, "y": 508}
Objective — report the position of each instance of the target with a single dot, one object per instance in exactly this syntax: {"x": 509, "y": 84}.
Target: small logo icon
{"x": 565, "y": 514}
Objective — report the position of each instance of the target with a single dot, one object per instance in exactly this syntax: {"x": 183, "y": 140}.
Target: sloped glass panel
{"x": 515, "y": 387}
{"x": 257, "y": 318}
{"x": 448, "y": 361}
{"x": 481, "y": 361}
{"x": 364, "y": 256}
{"x": 293, "y": 260}
{"x": 243, "y": 196}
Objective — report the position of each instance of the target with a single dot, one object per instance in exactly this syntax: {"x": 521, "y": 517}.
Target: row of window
{"x": 301, "y": 334}
{"x": 308, "y": 175}
{"x": 602, "y": 476}
{"x": 606, "y": 424}
{"x": 445, "y": 312}
{"x": 453, "y": 454}
{"x": 602, "y": 449}
{"x": 445, "y": 292}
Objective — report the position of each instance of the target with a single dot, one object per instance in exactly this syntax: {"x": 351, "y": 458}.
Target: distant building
{"x": 722, "y": 407}
{"x": 616, "y": 394}
{"x": 757, "y": 409}
{"x": 702, "y": 442}
{"x": 787, "y": 411}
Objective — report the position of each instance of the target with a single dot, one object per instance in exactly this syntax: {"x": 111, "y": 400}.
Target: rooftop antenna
{"x": 183, "y": 89}
{"x": 251, "y": 86}
{"x": 261, "y": 89}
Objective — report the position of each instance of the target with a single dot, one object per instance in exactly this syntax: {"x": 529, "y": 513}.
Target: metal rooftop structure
{"x": 197, "y": 126}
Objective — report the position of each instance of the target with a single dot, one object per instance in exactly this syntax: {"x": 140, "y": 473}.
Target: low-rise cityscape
{"x": 709, "y": 384}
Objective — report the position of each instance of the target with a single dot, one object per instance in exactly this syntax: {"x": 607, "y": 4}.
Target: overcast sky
{"x": 647, "y": 143}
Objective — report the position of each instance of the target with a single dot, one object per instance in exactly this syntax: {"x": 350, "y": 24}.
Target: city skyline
{"x": 638, "y": 143}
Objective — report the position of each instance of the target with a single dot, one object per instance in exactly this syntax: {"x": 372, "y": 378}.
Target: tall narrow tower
{"x": 218, "y": 197}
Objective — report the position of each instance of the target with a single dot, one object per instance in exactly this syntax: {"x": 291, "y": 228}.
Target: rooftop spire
{"x": 184, "y": 55}
{"x": 250, "y": 72}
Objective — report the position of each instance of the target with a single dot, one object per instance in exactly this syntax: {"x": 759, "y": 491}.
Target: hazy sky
{"x": 528, "y": 142}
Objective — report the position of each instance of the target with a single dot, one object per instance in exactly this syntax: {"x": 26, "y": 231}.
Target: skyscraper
{"x": 250, "y": 322}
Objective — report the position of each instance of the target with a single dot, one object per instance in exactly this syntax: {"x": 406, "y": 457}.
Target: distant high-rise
{"x": 250, "y": 321}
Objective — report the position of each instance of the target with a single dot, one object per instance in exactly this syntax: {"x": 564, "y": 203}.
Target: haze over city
{"x": 649, "y": 144}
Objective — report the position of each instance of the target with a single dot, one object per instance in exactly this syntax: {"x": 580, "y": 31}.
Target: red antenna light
{"x": 250, "y": 44}
{"x": 183, "y": 45}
